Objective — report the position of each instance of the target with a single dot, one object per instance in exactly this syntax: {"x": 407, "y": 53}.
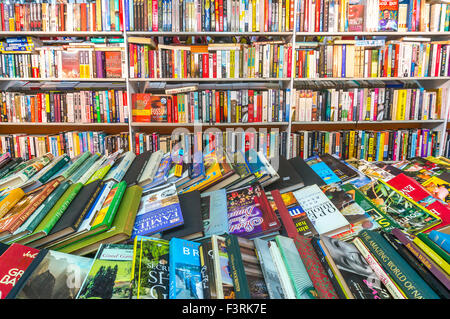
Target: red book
{"x": 2, "y": 10}
{"x": 317, "y": 17}
{"x": 113, "y": 63}
{"x": 205, "y": 65}
{"x": 151, "y": 59}
{"x": 136, "y": 143}
{"x": 259, "y": 108}
{"x": 175, "y": 108}
{"x": 214, "y": 58}
{"x": 94, "y": 17}
{"x": 83, "y": 17}
{"x": 266, "y": 16}
{"x": 438, "y": 60}
{"x": 217, "y": 102}
{"x": 13, "y": 263}
{"x": 397, "y": 49}
{"x": 251, "y": 106}
{"x": 155, "y": 15}
{"x": 412, "y": 189}
{"x": 221, "y": 15}
{"x": 289, "y": 62}
{"x": 121, "y": 15}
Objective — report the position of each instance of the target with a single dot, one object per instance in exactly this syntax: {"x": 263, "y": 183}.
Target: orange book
{"x": 10, "y": 200}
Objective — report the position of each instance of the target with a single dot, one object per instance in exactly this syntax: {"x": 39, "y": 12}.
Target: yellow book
{"x": 10, "y": 200}
{"x": 254, "y": 16}
{"x": 401, "y": 110}
{"x": 438, "y": 188}
{"x": 288, "y": 13}
{"x": 381, "y": 147}
{"x": 232, "y": 66}
{"x": 370, "y": 154}
{"x": 432, "y": 254}
{"x": 352, "y": 144}
{"x": 98, "y": 9}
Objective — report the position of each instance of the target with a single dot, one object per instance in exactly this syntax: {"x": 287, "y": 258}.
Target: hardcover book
{"x": 214, "y": 212}
{"x": 70, "y": 64}
{"x": 306, "y": 172}
{"x": 342, "y": 171}
{"x": 113, "y": 64}
{"x": 222, "y": 271}
{"x": 109, "y": 276}
{"x": 150, "y": 268}
{"x": 159, "y": 210}
{"x": 185, "y": 281}
{"x": 323, "y": 170}
{"x": 325, "y": 217}
{"x": 150, "y": 108}
{"x": 249, "y": 212}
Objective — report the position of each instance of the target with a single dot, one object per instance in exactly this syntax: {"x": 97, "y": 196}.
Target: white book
{"x": 151, "y": 167}
{"x": 286, "y": 284}
{"x": 118, "y": 171}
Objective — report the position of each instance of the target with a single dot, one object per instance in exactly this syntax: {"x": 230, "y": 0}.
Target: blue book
{"x": 441, "y": 239}
{"x": 322, "y": 169}
{"x": 161, "y": 173}
{"x": 159, "y": 210}
{"x": 185, "y": 281}
{"x": 214, "y": 212}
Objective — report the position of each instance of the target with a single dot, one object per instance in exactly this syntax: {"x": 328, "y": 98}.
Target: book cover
{"x": 342, "y": 171}
{"x": 11, "y": 199}
{"x": 289, "y": 178}
{"x": 438, "y": 187}
{"x": 207, "y": 270}
{"x": 13, "y": 263}
{"x": 440, "y": 239}
{"x": 159, "y": 210}
{"x": 286, "y": 284}
{"x": 388, "y": 15}
{"x": 214, "y": 212}
{"x": 325, "y": 217}
{"x": 150, "y": 268}
{"x": 400, "y": 271}
{"x": 113, "y": 64}
{"x": 323, "y": 170}
{"x": 132, "y": 175}
{"x": 160, "y": 176}
{"x": 356, "y": 16}
{"x": 362, "y": 281}
{"x": 109, "y": 276}
{"x": 249, "y": 212}
{"x": 150, "y": 168}
{"x": 52, "y": 275}
{"x": 184, "y": 270}
{"x": 222, "y": 271}
{"x": 70, "y": 64}
{"x": 301, "y": 282}
{"x": 305, "y": 171}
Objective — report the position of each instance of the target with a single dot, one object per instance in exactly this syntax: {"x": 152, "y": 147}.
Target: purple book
{"x": 100, "y": 63}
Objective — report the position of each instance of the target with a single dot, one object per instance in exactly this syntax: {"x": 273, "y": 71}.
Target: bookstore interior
{"x": 224, "y": 149}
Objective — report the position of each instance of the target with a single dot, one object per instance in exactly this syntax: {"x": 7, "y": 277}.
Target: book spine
{"x": 433, "y": 255}
{"x": 236, "y": 268}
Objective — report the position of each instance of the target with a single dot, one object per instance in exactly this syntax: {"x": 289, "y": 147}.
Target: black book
{"x": 342, "y": 171}
{"x": 3, "y": 248}
{"x": 74, "y": 214}
{"x": 136, "y": 168}
{"x": 306, "y": 172}
{"x": 192, "y": 227}
{"x": 289, "y": 178}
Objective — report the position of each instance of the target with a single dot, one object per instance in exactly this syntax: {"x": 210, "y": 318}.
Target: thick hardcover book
{"x": 245, "y": 268}
{"x": 48, "y": 275}
{"x": 109, "y": 276}
{"x": 150, "y": 271}
{"x": 249, "y": 212}
{"x": 133, "y": 173}
{"x": 289, "y": 178}
{"x": 56, "y": 167}
{"x": 301, "y": 282}
{"x": 150, "y": 168}
{"x": 360, "y": 278}
{"x": 13, "y": 263}
{"x": 193, "y": 223}
{"x": 184, "y": 270}
{"x": 325, "y": 217}
{"x": 403, "y": 274}
{"x": 306, "y": 172}
{"x": 159, "y": 210}
{"x": 214, "y": 212}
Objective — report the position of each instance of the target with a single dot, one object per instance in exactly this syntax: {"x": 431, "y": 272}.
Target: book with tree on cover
{"x": 51, "y": 275}
{"x": 405, "y": 212}
{"x": 249, "y": 212}
{"x": 13, "y": 263}
{"x": 109, "y": 276}
{"x": 245, "y": 268}
{"x": 150, "y": 270}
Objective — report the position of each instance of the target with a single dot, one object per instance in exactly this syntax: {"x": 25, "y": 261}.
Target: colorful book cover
{"x": 161, "y": 174}
{"x": 355, "y": 16}
{"x": 405, "y": 212}
{"x": 70, "y": 64}
{"x": 185, "y": 281}
{"x": 249, "y": 212}
{"x": 440, "y": 239}
{"x": 150, "y": 268}
{"x": 113, "y": 64}
{"x": 388, "y": 15}
{"x": 110, "y": 205}
{"x": 420, "y": 169}
{"x": 13, "y": 263}
{"x": 222, "y": 271}
{"x": 369, "y": 169}
{"x": 325, "y": 217}
{"x": 438, "y": 187}
{"x": 150, "y": 108}
{"x": 214, "y": 212}
{"x": 323, "y": 170}
{"x": 159, "y": 210}
{"x": 110, "y": 274}
{"x": 342, "y": 170}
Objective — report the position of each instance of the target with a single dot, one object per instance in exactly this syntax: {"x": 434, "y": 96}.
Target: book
{"x": 207, "y": 268}
{"x": 388, "y": 15}
{"x": 109, "y": 274}
{"x": 323, "y": 170}
{"x": 160, "y": 176}
{"x": 286, "y": 284}
{"x": 224, "y": 285}
{"x": 132, "y": 175}
{"x": 342, "y": 171}
{"x": 249, "y": 212}
{"x": 362, "y": 281}
{"x": 289, "y": 178}
{"x": 306, "y": 172}
{"x": 150, "y": 168}
{"x": 150, "y": 269}
{"x": 325, "y": 217}
{"x": 184, "y": 270}
{"x": 433, "y": 251}
{"x": 10, "y": 200}
{"x": 440, "y": 239}
{"x": 159, "y": 210}
{"x": 214, "y": 212}
{"x": 245, "y": 269}
{"x": 13, "y": 263}
{"x": 301, "y": 282}
{"x": 400, "y": 271}
{"x": 51, "y": 276}
{"x": 438, "y": 187}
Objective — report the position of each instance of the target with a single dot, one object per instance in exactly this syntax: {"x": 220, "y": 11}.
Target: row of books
{"x": 353, "y": 58}
{"x": 210, "y": 15}
{"x": 371, "y": 16}
{"x": 74, "y": 60}
{"x": 368, "y": 104}
{"x": 291, "y": 252}
{"x": 72, "y": 143}
{"x": 369, "y": 145}
{"x": 214, "y": 60}
{"x": 213, "y": 106}
{"x": 50, "y": 16}
{"x": 65, "y": 107}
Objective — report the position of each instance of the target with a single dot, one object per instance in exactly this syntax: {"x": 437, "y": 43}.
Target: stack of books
{"x": 263, "y": 230}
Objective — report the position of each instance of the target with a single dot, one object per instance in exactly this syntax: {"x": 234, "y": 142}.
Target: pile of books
{"x": 224, "y": 225}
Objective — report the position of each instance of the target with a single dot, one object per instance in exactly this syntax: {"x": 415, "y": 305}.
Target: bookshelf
{"x": 139, "y": 85}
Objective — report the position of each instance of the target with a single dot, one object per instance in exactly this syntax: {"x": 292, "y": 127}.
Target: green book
{"x": 75, "y": 165}
{"x": 121, "y": 228}
{"x": 438, "y": 250}
{"x": 396, "y": 267}
{"x": 46, "y": 225}
{"x": 34, "y": 220}
{"x": 237, "y": 270}
{"x": 84, "y": 168}
{"x": 56, "y": 168}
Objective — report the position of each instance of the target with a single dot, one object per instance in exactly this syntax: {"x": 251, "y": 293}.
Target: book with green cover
{"x": 46, "y": 225}
{"x": 61, "y": 162}
{"x": 75, "y": 178}
{"x": 75, "y": 165}
{"x": 400, "y": 271}
{"x": 435, "y": 247}
{"x": 104, "y": 168}
{"x": 120, "y": 229}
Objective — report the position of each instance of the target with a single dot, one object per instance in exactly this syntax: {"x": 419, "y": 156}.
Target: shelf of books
{"x": 194, "y": 136}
